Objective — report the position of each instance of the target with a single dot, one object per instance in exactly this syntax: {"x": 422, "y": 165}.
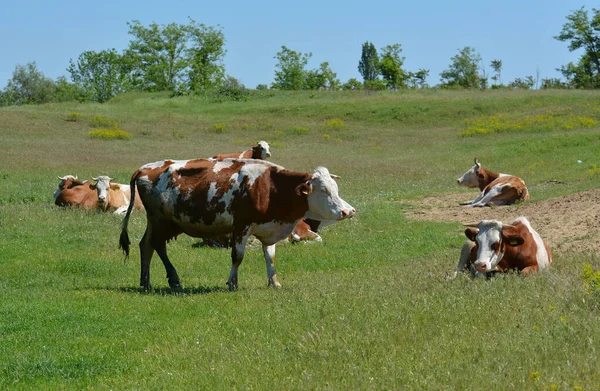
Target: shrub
{"x": 73, "y": 116}
{"x": 547, "y": 121}
{"x": 335, "y": 124}
{"x": 298, "y": 130}
{"x": 591, "y": 278}
{"x": 107, "y": 134}
{"x": 98, "y": 121}
{"x": 219, "y": 128}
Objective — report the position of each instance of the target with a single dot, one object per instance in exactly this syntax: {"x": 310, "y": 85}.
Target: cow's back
{"x": 197, "y": 195}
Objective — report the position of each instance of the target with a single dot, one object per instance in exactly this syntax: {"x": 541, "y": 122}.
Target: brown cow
{"x": 497, "y": 247}
{"x": 260, "y": 151}
{"x": 73, "y": 192}
{"x": 496, "y": 189}
{"x": 205, "y": 197}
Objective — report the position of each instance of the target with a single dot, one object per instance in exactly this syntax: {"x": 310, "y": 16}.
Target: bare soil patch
{"x": 569, "y": 223}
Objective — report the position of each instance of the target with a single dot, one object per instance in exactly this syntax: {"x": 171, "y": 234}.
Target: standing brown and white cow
{"x": 206, "y": 197}
{"x": 113, "y": 196}
{"x": 260, "y": 151}
{"x": 496, "y": 189}
{"x": 497, "y": 247}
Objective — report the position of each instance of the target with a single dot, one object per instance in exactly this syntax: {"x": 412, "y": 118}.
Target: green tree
{"x": 464, "y": 70}
{"x": 497, "y": 68}
{"x": 100, "y": 75}
{"x": 290, "y": 73}
{"x": 322, "y": 78}
{"x": 368, "y": 66}
{"x": 158, "y": 54}
{"x": 390, "y": 67}
{"x": 582, "y": 33}
{"x": 352, "y": 84}
{"x": 206, "y": 52}
{"x": 28, "y": 85}
{"x": 524, "y": 84}
{"x": 66, "y": 91}
{"x": 418, "y": 79}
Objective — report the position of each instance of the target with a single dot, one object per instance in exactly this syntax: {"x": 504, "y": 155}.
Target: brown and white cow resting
{"x": 75, "y": 193}
{"x": 113, "y": 196}
{"x": 205, "y": 197}
{"x": 496, "y": 189}
{"x": 497, "y": 247}
{"x": 260, "y": 151}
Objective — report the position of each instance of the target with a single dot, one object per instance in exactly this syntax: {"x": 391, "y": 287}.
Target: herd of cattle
{"x": 229, "y": 197}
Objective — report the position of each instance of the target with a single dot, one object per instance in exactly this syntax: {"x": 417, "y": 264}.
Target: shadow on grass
{"x": 201, "y": 290}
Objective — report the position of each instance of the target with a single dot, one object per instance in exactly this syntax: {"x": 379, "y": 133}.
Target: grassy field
{"x": 370, "y": 308}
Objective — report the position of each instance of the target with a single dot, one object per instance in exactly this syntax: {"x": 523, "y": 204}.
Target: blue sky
{"x": 431, "y": 32}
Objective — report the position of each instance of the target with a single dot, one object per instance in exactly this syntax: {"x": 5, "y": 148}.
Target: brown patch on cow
{"x": 83, "y": 195}
{"x": 569, "y": 223}
{"x": 485, "y": 177}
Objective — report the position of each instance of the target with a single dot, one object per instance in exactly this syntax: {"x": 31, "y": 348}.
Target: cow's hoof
{"x": 233, "y": 286}
{"x": 274, "y": 283}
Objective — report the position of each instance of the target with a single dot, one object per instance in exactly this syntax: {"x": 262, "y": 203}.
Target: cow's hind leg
{"x": 238, "y": 246}
{"x": 146, "y": 252}
{"x": 161, "y": 249}
{"x": 269, "y": 252}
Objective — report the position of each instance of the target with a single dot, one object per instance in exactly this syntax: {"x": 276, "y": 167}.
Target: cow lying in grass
{"x": 497, "y": 247}
{"x": 496, "y": 189}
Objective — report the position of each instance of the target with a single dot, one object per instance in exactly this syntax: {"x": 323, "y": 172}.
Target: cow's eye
{"x": 495, "y": 246}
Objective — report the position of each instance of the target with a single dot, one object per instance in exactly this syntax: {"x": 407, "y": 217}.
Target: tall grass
{"x": 370, "y": 308}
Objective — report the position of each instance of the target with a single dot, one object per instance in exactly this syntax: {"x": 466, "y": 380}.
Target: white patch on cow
{"x": 485, "y": 198}
{"x": 121, "y": 210}
{"x": 253, "y": 171}
{"x": 541, "y": 255}
{"x": 212, "y": 191}
{"x": 153, "y": 165}
{"x": 221, "y": 164}
{"x": 272, "y": 232}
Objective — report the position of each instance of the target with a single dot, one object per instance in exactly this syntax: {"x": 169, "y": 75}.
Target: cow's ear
{"x": 470, "y": 233}
{"x": 93, "y": 186}
{"x": 304, "y": 189}
{"x": 115, "y": 186}
{"x": 513, "y": 240}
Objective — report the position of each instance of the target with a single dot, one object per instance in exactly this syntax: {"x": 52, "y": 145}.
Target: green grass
{"x": 370, "y": 308}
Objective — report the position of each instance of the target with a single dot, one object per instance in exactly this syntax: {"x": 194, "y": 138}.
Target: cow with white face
{"x": 496, "y": 189}
{"x": 206, "y": 197}
{"x": 112, "y": 196}
{"x": 497, "y": 247}
{"x": 260, "y": 151}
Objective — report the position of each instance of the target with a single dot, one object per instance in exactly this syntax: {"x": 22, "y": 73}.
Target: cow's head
{"x": 471, "y": 177}
{"x": 102, "y": 185}
{"x": 66, "y": 182}
{"x": 491, "y": 238}
{"x": 261, "y": 151}
{"x": 324, "y": 202}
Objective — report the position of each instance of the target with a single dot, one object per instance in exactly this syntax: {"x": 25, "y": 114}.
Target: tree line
{"x": 188, "y": 59}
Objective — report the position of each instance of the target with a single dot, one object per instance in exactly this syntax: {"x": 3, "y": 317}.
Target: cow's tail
{"x": 124, "y": 241}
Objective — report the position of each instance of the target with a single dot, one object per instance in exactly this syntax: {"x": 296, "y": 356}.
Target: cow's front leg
{"x": 269, "y": 252}
{"x": 238, "y": 246}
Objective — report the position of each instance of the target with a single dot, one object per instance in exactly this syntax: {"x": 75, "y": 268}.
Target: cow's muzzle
{"x": 348, "y": 213}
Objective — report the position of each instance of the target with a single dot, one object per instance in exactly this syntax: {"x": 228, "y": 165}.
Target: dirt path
{"x": 567, "y": 223}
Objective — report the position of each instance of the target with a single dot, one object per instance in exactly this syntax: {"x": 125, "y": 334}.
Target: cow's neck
{"x": 286, "y": 198}
{"x": 486, "y": 177}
